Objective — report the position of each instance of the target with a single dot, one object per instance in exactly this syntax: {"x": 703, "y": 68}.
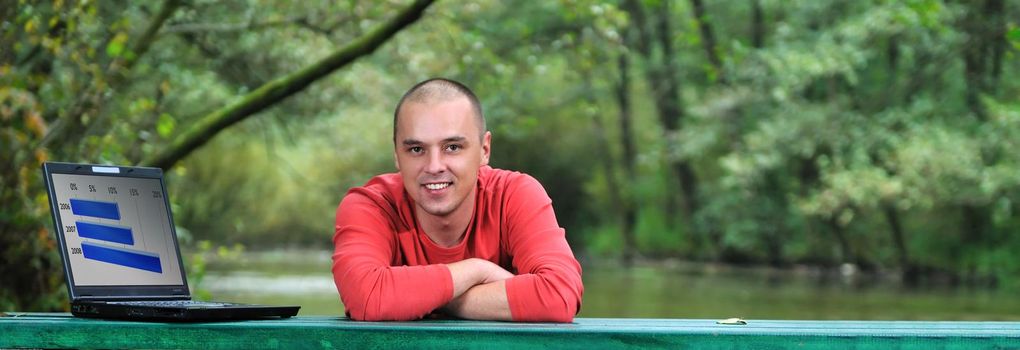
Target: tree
{"x": 652, "y": 30}
{"x": 274, "y": 91}
{"x": 46, "y": 116}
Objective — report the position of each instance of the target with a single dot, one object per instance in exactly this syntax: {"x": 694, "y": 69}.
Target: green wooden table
{"x": 54, "y": 330}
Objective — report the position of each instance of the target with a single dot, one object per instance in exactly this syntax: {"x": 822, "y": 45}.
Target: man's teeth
{"x": 437, "y": 186}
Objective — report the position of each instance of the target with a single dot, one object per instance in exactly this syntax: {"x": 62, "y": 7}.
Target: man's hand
{"x": 479, "y": 290}
{"x": 468, "y": 273}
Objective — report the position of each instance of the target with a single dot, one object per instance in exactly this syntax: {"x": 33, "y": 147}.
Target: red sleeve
{"x": 365, "y": 243}
{"x": 548, "y": 286}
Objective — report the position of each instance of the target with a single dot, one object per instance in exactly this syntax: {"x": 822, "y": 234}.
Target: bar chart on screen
{"x": 116, "y": 228}
{"x": 95, "y": 231}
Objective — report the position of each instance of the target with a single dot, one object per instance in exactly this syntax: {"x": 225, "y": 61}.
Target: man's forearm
{"x": 482, "y": 302}
{"x": 479, "y": 290}
{"x": 471, "y": 272}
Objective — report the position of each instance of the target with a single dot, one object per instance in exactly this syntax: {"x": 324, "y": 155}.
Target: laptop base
{"x": 103, "y": 310}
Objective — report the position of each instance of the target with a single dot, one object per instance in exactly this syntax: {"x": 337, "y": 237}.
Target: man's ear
{"x": 486, "y": 147}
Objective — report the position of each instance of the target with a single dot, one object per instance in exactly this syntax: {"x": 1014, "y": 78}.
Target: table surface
{"x": 56, "y": 330}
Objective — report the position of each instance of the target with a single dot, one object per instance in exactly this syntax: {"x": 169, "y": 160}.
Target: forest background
{"x": 882, "y": 135}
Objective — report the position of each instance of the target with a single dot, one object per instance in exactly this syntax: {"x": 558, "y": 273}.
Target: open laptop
{"x": 119, "y": 247}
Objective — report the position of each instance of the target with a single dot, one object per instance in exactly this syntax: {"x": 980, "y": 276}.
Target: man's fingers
{"x": 496, "y": 273}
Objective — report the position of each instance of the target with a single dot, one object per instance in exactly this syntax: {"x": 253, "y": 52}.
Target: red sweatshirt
{"x": 386, "y": 268}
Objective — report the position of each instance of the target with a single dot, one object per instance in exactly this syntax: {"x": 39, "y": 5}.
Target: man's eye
{"x": 453, "y": 148}
{"x": 415, "y": 149}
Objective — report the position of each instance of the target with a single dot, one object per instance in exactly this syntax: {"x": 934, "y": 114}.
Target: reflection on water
{"x": 660, "y": 291}
{"x": 313, "y": 291}
{"x": 238, "y": 282}
{"x": 701, "y": 291}
{"x": 283, "y": 277}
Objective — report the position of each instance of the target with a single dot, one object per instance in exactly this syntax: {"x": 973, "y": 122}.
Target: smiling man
{"x": 447, "y": 234}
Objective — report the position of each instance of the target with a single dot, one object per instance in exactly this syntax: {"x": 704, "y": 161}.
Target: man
{"x": 448, "y": 234}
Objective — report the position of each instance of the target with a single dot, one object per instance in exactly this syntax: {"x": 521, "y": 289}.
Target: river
{"x": 660, "y": 290}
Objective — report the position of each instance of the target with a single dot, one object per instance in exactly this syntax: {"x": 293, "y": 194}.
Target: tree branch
{"x": 231, "y": 27}
{"x": 145, "y": 41}
{"x": 303, "y": 21}
{"x": 117, "y": 69}
{"x": 275, "y": 91}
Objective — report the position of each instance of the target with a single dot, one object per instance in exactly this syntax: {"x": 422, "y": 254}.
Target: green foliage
{"x": 854, "y": 128}
{"x": 106, "y": 82}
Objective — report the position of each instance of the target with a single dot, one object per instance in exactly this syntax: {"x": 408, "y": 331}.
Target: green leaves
{"x": 1013, "y": 35}
{"x": 849, "y": 107}
{"x": 165, "y": 125}
{"x": 116, "y": 46}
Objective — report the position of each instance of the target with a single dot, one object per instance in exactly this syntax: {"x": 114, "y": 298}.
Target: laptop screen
{"x": 115, "y": 229}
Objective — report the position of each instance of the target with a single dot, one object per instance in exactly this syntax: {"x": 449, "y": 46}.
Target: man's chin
{"x": 437, "y": 210}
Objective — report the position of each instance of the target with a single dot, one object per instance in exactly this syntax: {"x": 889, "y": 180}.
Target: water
{"x": 661, "y": 290}
{"x": 276, "y": 277}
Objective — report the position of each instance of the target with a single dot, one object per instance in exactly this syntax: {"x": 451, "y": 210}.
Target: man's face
{"x": 438, "y": 153}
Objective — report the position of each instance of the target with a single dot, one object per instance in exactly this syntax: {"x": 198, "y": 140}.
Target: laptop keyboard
{"x": 170, "y": 303}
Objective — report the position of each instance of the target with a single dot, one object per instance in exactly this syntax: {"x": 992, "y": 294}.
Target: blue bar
{"x": 122, "y": 257}
{"x": 105, "y": 210}
{"x": 109, "y": 233}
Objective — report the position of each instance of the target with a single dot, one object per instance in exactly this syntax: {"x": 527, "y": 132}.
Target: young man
{"x": 448, "y": 234}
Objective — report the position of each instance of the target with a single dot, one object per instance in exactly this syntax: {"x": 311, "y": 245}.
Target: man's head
{"x": 440, "y": 142}
{"x": 439, "y": 89}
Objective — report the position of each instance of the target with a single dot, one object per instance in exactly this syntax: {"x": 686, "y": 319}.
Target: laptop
{"x": 119, "y": 247}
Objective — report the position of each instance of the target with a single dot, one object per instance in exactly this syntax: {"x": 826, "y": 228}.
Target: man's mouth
{"x": 438, "y": 186}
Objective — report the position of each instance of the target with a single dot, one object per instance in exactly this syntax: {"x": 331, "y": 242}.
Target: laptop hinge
{"x": 131, "y": 298}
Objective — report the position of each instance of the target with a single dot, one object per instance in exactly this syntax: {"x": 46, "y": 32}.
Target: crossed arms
{"x": 479, "y": 291}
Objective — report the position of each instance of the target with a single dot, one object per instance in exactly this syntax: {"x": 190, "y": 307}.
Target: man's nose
{"x": 435, "y": 163}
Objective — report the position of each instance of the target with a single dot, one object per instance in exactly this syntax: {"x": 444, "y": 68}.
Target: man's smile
{"x": 436, "y": 187}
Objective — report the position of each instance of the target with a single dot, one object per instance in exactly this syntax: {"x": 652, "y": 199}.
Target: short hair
{"x": 438, "y": 90}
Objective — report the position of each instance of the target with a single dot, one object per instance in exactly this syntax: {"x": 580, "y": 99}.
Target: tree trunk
{"x": 622, "y": 90}
{"x": 892, "y": 51}
{"x": 909, "y": 272}
{"x": 664, "y": 81}
{"x": 986, "y": 27}
{"x": 774, "y": 234}
{"x": 664, "y": 87}
{"x": 671, "y": 114}
{"x": 845, "y": 254}
{"x": 976, "y": 224}
{"x": 774, "y": 226}
{"x": 708, "y": 41}
{"x": 982, "y": 54}
{"x": 275, "y": 91}
{"x": 757, "y": 25}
